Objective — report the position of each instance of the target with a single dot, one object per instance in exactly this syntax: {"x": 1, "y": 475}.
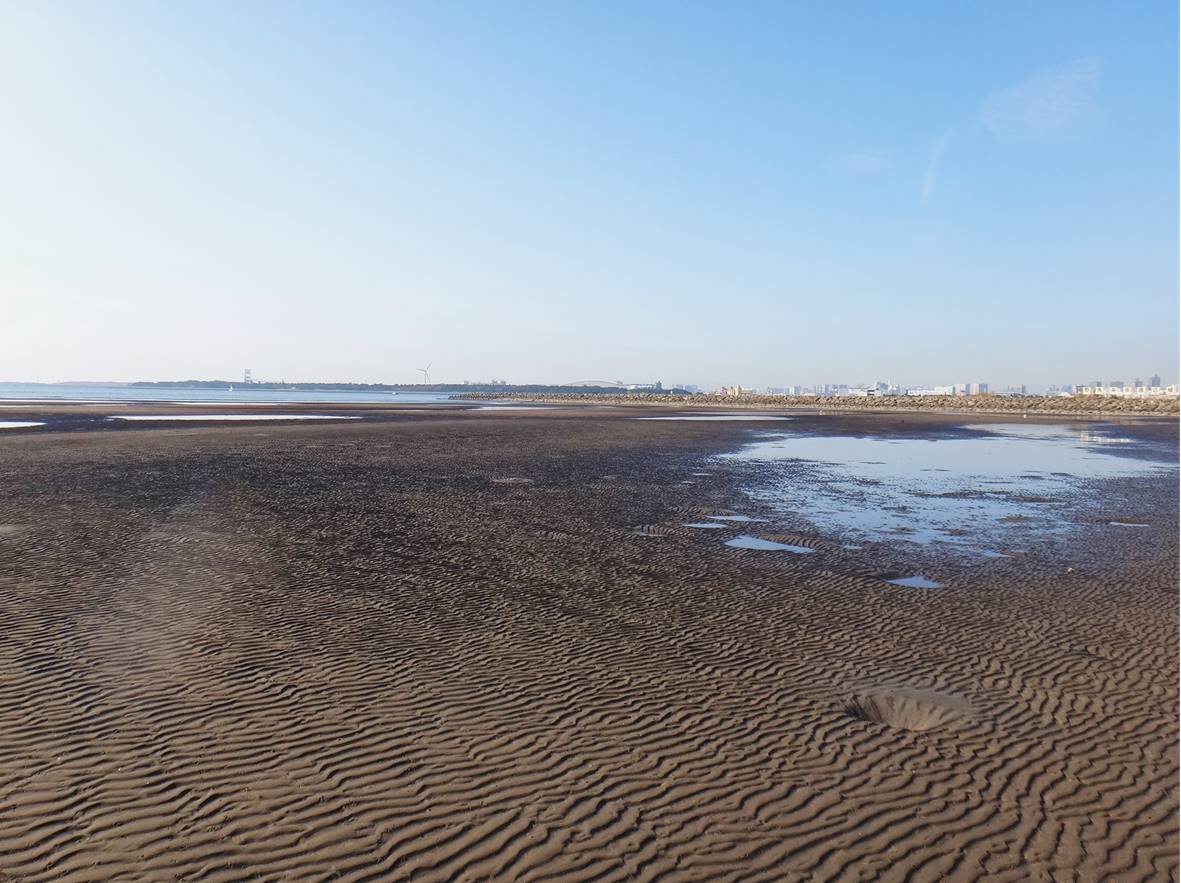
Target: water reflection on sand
{"x": 190, "y": 418}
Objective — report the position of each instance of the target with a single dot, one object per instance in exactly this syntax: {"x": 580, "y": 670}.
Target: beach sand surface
{"x": 486, "y": 647}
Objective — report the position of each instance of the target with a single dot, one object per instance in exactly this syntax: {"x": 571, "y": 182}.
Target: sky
{"x": 692, "y": 192}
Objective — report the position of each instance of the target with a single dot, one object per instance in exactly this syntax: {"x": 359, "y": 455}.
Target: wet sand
{"x": 482, "y": 645}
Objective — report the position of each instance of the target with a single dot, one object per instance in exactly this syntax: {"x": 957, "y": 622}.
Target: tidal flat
{"x": 449, "y": 644}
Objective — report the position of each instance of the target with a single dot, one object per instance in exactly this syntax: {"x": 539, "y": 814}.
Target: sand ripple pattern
{"x": 230, "y": 659}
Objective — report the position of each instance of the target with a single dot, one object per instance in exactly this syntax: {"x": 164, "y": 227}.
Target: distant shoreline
{"x": 312, "y": 386}
{"x": 1078, "y": 406}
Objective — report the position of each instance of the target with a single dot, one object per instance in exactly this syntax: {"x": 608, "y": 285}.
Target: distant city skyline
{"x": 883, "y": 387}
{"x": 761, "y": 193}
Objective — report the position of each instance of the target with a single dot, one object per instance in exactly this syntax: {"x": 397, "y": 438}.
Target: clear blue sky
{"x": 764, "y": 193}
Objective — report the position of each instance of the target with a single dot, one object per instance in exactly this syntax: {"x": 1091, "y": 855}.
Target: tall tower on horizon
{"x": 248, "y": 376}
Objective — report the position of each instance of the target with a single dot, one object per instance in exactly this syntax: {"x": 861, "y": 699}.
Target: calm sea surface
{"x": 115, "y": 393}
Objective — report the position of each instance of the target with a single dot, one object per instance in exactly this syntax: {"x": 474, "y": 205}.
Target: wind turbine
{"x": 426, "y": 373}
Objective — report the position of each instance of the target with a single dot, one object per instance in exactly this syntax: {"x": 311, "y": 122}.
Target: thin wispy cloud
{"x": 932, "y": 175}
{"x": 1050, "y": 106}
{"x": 1047, "y": 107}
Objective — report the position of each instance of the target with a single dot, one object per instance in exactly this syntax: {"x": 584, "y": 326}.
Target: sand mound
{"x": 908, "y": 709}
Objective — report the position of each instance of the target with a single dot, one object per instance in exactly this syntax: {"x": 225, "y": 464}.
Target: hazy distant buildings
{"x": 886, "y": 388}
{"x": 1128, "y": 391}
{"x": 248, "y": 376}
{"x": 1137, "y": 388}
{"x": 951, "y": 389}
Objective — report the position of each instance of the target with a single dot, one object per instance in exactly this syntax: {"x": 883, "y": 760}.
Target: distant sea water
{"x": 72, "y": 392}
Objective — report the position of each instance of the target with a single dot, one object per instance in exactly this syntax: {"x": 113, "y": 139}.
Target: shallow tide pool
{"x": 982, "y": 491}
{"x": 748, "y": 542}
{"x": 915, "y": 582}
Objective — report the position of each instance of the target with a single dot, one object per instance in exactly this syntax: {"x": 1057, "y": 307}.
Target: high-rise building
{"x": 248, "y": 376}
{"x": 1154, "y": 380}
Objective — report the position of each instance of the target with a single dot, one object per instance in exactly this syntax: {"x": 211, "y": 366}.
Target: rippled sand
{"x": 362, "y": 652}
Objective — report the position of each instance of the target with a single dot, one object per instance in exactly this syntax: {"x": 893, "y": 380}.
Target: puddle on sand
{"x": 969, "y": 492}
{"x": 188, "y": 418}
{"x": 717, "y": 417}
{"x": 748, "y": 542}
{"x": 733, "y": 518}
{"x": 990, "y": 553}
{"x": 915, "y": 582}
{"x": 19, "y": 424}
{"x": 704, "y": 525}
